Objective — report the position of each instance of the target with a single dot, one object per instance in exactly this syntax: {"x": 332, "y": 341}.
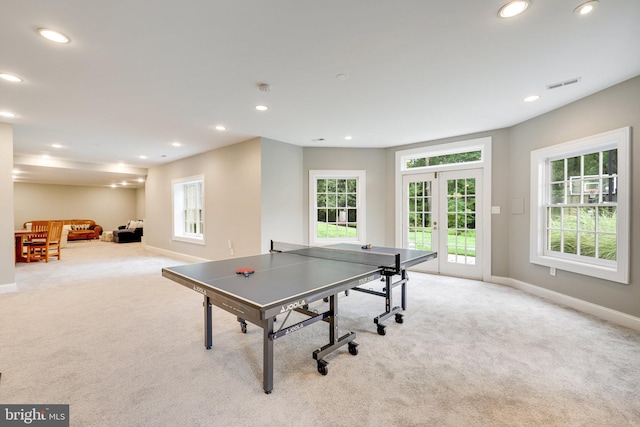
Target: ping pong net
{"x": 388, "y": 262}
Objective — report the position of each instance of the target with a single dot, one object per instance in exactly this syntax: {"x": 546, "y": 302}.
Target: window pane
{"x": 557, "y": 193}
{"x": 331, "y": 185}
{"x": 573, "y": 167}
{"x": 557, "y": 170}
{"x": 592, "y": 164}
{"x": 321, "y": 200}
{"x": 588, "y": 244}
{"x": 322, "y": 185}
{"x": 607, "y": 219}
{"x": 587, "y": 219}
{"x": 569, "y": 218}
{"x": 341, "y": 185}
{"x": 555, "y": 240}
{"x": 610, "y": 162}
{"x": 607, "y": 247}
{"x": 570, "y": 242}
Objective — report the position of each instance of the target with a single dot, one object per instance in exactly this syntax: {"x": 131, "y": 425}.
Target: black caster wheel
{"x": 399, "y": 318}
{"x": 382, "y": 330}
{"x": 353, "y": 348}
{"x": 322, "y": 367}
{"x": 243, "y": 327}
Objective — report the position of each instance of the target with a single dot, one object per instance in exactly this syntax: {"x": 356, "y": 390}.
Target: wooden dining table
{"x": 20, "y": 235}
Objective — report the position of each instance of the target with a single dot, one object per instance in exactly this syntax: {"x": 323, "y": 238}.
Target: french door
{"x": 440, "y": 213}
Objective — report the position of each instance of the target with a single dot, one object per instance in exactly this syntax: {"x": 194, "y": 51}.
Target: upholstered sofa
{"x": 132, "y": 232}
{"x": 76, "y": 229}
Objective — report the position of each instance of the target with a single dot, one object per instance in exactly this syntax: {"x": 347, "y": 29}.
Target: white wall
{"x": 7, "y": 275}
{"x": 108, "y": 207}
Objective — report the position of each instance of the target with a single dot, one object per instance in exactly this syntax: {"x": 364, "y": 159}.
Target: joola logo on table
{"x": 293, "y": 305}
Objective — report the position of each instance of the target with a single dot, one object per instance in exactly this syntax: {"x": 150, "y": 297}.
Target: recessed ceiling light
{"x": 142, "y": 157}
{"x": 221, "y": 127}
{"x": 176, "y": 144}
{"x": 113, "y": 186}
{"x": 348, "y": 137}
{"x": 262, "y": 107}
{"x": 586, "y": 7}
{"x": 56, "y": 145}
{"x": 513, "y": 8}
{"x": 8, "y": 114}
{"x": 342, "y": 77}
{"x": 10, "y": 78}
{"x": 54, "y": 36}
{"x": 45, "y": 156}
{"x": 124, "y": 183}
{"x": 531, "y": 98}
{"x": 140, "y": 179}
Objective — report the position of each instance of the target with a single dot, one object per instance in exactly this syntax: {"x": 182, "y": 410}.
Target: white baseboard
{"x": 172, "y": 254}
{"x": 9, "y": 287}
{"x": 604, "y": 313}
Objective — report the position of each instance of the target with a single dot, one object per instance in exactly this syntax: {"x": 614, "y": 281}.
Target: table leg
{"x": 267, "y": 356}
{"x": 208, "y": 333}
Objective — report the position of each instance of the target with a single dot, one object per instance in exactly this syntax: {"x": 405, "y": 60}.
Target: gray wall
{"x": 282, "y": 193}
{"x": 613, "y": 108}
{"x": 7, "y": 275}
{"x": 108, "y": 207}
{"x": 370, "y": 159}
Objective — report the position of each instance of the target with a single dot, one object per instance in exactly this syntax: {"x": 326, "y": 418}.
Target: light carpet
{"x": 103, "y": 331}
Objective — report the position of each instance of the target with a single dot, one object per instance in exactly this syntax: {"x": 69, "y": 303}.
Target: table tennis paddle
{"x": 245, "y": 271}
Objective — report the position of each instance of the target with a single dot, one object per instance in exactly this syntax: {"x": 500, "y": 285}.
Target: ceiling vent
{"x": 565, "y": 83}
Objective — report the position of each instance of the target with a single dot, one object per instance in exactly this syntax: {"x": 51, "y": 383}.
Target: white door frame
{"x": 483, "y": 144}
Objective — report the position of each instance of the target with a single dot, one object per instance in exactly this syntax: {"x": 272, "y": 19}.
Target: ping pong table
{"x": 288, "y": 279}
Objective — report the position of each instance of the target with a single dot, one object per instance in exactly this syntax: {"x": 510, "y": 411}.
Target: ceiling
{"x": 140, "y": 75}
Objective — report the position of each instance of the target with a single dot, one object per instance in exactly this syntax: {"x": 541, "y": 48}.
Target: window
{"x": 188, "y": 209}
{"x": 580, "y": 206}
{"x": 336, "y": 206}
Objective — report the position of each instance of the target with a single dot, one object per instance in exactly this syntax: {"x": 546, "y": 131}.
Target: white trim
{"x": 617, "y": 271}
{"x": 178, "y": 222}
{"x": 361, "y": 176}
{"x": 178, "y": 255}
{"x": 9, "y": 287}
{"x": 485, "y": 145}
{"x": 599, "y": 311}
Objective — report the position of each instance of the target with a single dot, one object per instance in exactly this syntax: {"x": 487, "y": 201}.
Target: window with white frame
{"x": 580, "y": 210}
{"x": 188, "y": 209}
{"x": 336, "y": 206}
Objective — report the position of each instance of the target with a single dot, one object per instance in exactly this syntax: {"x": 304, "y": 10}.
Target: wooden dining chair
{"x": 38, "y": 236}
{"x": 51, "y": 245}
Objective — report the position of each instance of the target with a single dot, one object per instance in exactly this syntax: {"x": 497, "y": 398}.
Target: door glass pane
{"x": 461, "y": 221}
{"x": 419, "y": 221}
